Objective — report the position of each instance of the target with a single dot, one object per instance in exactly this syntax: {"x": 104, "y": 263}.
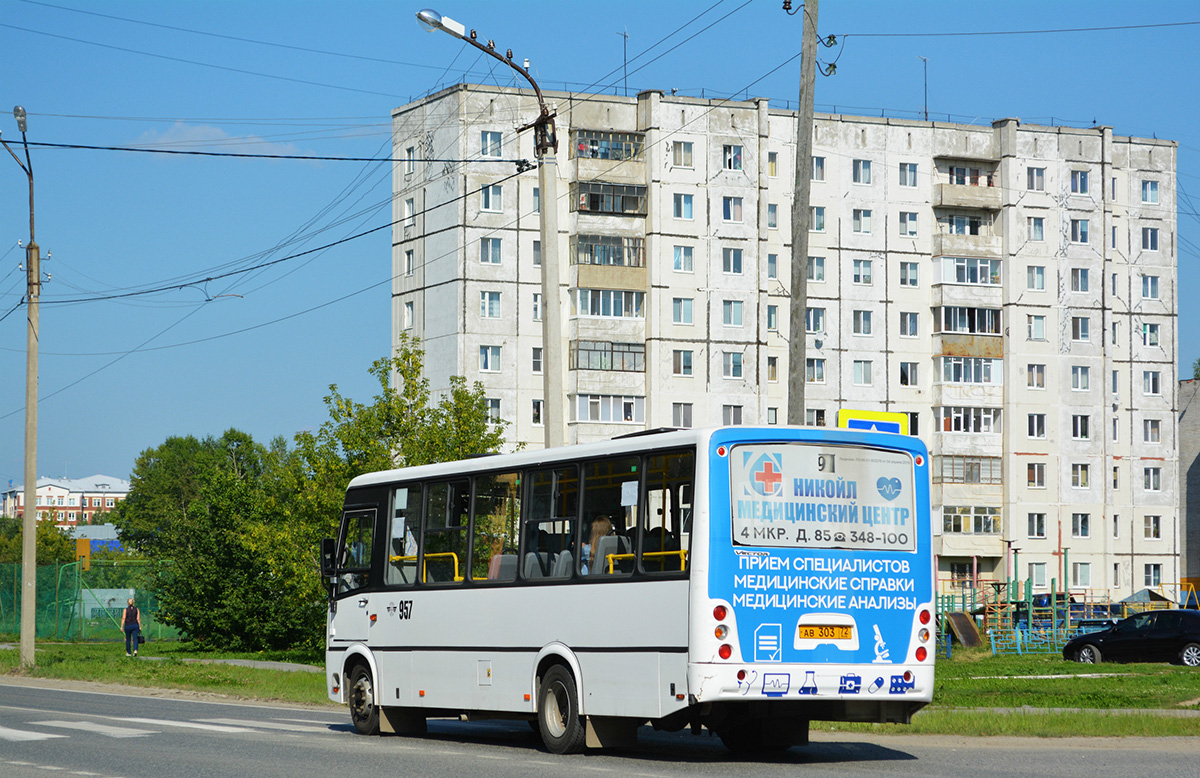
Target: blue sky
{"x": 258, "y": 350}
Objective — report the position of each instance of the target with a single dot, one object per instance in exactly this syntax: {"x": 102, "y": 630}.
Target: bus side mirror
{"x": 328, "y": 549}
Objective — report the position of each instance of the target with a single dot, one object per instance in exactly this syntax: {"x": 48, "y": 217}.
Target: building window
{"x": 489, "y": 359}
{"x": 731, "y": 313}
{"x": 1081, "y": 574}
{"x": 1149, "y": 334}
{"x": 535, "y": 416}
{"x": 814, "y": 320}
{"x": 908, "y": 375}
{"x": 410, "y": 160}
{"x": 536, "y": 359}
{"x": 1079, "y": 279}
{"x": 616, "y": 199}
{"x": 604, "y": 144}
{"x": 731, "y": 209}
{"x": 489, "y": 305}
{"x": 1037, "y": 574}
{"x": 772, "y": 164}
{"x": 489, "y": 251}
{"x": 814, "y": 371}
{"x": 1151, "y": 383}
{"x": 1152, "y": 479}
{"x": 1036, "y": 475}
{"x": 607, "y": 303}
{"x": 772, "y": 216}
{"x": 408, "y": 316}
{"x": 970, "y": 370}
{"x": 1079, "y": 182}
{"x": 966, "y": 470}
{"x": 1153, "y": 575}
{"x": 971, "y": 270}
{"x": 1150, "y": 192}
{"x": 1149, "y": 287}
{"x": 1037, "y": 426}
{"x": 681, "y": 414}
{"x": 816, "y": 218}
{"x": 1036, "y": 327}
{"x": 1079, "y": 476}
{"x": 772, "y": 266}
{"x": 684, "y": 259}
{"x": 908, "y": 224}
{"x": 818, "y": 168}
{"x": 1081, "y": 378}
{"x": 681, "y": 153}
{"x": 537, "y": 200}
{"x": 1037, "y": 228}
{"x": 609, "y": 408}
{"x": 1035, "y": 278}
{"x": 681, "y": 310}
{"x": 608, "y": 250}
{"x": 732, "y": 156}
{"x": 970, "y": 520}
{"x": 731, "y": 261}
{"x": 1080, "y": 328}
{"x": 772, "y": 415}
{"x": 908, "y": 174}
{"x": 862, "y": 372}
{"x": 908, "y": 324}
{"x": 862, "y": 221}
{"x": 409, "y": 263}
{"x": 1080, "y": 525}
{"x": 814, "y": 417}
{"x": 772, "y": 318}
{"x": 1149, "y": 239}
{"x": 861, "y": 170}
{"x": 537, "y": 253}
{"x": 731, "y": 415}
{"x": 968, "y": 419}
{"x": 971, "y": 321}
{"x": 681, "y": 361}
{"x": 816, "y": 269}
{"x": 772, "y": 369}
{"x": 1079, "y": 230}
{"x": 683, "y": 206}
{"x": 1151, "y": 431}
{"x": 1080, "y": 427}
{"x": 1035, "y": 376}
{"x": 489, "y": 144}
{"x": 862, "y": 322}
{"x": 493, "y": 197}
{"x": 862, "y": 272}
{"x": 1035, "y": 179}
{"x": 731, "y": 364}
{"x": 1037, "y": 525}
{"x": 537, "y": 306}
{"x": 908, "y": 273}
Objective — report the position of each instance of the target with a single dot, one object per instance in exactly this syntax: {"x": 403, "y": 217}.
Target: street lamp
{"x": 29, "y": 520}
{"x": 545, "y": 146}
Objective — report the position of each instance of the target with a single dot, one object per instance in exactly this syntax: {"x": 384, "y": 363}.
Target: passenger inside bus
{"x": 600, "y": 527}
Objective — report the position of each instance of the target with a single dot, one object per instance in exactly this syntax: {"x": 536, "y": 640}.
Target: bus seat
{"x": 562, "y": 565}
{"x": 536, "y": 564}
{"x": 502, "y": 567}
{"x": 610, "y": 544}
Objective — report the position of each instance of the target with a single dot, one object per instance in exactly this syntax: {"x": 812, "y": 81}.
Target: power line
{"x": 1016, "y": 32}
{"x": 252, "y": 156}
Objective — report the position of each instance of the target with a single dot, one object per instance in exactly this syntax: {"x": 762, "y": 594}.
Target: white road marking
{"x": 272, "y": 725}
{"x": 21, "y": 736}
{"x": 186, "y": 725}
{"x": 92, "y": 726}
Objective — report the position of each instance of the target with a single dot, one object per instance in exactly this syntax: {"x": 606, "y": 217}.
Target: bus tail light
{"x": 720, "y": 612}
{"x": 921, "y": 653}
{"x": 925, "y": 616}
{"x": 721, "y": 631}
{"x": 725, "y": 651}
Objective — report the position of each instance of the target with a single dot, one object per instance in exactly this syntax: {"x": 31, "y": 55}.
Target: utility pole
{"x": 33, "y": 276}
{"x": 925, "y": 62}
{"x": 625, "y": 58}
{"x": 800, "y": 209}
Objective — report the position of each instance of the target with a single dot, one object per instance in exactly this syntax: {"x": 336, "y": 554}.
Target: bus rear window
{"x": 804, "y": 495}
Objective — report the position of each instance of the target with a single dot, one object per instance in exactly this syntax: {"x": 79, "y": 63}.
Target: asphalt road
{"x": 68, "y": 731}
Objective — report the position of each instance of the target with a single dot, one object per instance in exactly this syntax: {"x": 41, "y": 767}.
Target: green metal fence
{"x": 76, "y": 604}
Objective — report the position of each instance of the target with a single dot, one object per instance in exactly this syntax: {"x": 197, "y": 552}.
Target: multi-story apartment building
{"x": 68, "y": 501}
{"x": 1010, "y": 287}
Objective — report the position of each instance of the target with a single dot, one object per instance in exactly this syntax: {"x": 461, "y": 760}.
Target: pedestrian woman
{"x": 131, "y": 622}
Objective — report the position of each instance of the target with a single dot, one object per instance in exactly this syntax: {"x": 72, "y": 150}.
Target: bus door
{"x": 351, "y": 605}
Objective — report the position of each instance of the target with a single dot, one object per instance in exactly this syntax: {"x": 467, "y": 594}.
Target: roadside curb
{"x": 1029, "y": 710}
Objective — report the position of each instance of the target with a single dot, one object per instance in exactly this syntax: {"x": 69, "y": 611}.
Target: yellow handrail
{"x": 424, "y": 567}
{"x": 682, "y": 554}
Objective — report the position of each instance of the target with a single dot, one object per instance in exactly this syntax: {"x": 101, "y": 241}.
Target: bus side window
{"x": 666, "y": 521}
{"x": 354, "y": 560}
{"x": 610, "y": 511}
{"x": 494, "y": 528}
{"x": 406, "y": 528}
{"x": 548, "y": 530}
{"x": 444, "y": 546}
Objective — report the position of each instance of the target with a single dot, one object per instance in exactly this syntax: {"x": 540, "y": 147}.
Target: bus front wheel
{"x": 364, "y": 711}
{"x": 559, "y": 721}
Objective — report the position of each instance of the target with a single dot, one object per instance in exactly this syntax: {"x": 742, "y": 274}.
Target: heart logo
{"x": 889, "y": 488}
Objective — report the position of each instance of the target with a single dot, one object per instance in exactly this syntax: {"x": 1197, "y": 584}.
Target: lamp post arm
{"x": 28, "y": 168}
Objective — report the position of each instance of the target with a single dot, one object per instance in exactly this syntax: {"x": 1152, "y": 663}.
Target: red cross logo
{"x": 768, "y": 477}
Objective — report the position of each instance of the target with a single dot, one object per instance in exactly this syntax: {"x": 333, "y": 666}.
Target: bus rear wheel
{"x": 559, "y": 721}
{"x": 364, "y": 711}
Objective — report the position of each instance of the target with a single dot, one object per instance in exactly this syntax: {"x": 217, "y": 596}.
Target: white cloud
{"x": 193, "y": 137}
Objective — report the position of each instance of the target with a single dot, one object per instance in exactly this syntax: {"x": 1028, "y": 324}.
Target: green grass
{"x": 161, "y": 665}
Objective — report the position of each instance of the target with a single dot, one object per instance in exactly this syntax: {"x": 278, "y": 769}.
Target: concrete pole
{"x": 553, "y": 359}
{"x": 29, "y": 521}
{"x": 797, "y": 339}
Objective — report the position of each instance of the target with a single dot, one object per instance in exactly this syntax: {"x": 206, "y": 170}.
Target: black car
{"x": 1153, "y": 636}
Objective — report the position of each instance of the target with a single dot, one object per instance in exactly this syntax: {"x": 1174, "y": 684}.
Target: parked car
{"x": 1153, "y": 636}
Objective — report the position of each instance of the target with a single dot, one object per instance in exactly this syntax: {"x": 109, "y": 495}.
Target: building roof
{"x": 92, "y": 483}
{"x": 95, "y": 532}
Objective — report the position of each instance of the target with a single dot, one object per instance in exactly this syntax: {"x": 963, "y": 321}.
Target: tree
{"x": 54, "y": 545}
{"x": 1196, "y": 369}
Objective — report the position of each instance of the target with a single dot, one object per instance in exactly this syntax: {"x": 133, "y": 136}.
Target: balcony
{"x": 948, "y": 244}
{"x": 967, "y": 196}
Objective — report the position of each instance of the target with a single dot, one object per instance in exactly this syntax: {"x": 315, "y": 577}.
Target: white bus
{"x": 743, "y": 579}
